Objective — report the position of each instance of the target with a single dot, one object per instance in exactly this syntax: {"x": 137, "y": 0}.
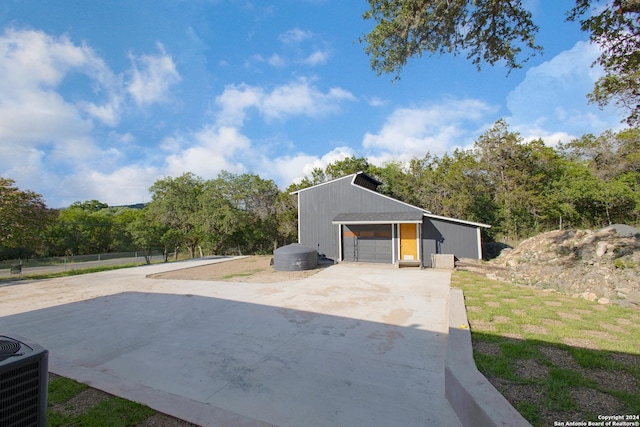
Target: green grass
{"x": 231, "y": 276}
{"x": 109, "y": 412}
{"x": 115, "y": 412}
{"x": 62, "y": 389}
{"x": 575, "y": 347}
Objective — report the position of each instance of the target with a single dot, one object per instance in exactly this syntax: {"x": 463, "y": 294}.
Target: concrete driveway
{"x": 353, "y": 345}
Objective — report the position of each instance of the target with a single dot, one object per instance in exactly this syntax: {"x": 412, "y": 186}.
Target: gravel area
{"x": 252, "y": 269}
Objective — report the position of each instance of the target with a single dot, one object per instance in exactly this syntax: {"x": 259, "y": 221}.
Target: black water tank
{"x": 295, "y": 257}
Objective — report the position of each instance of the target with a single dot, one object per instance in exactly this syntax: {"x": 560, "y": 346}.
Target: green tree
{"x": 287, "y": 217}
{"x": 146, "y": 234}
{"x": 239, "y": 213}
{"x": 616, "y": 29}
{"x": 89, "y": 206}
{"x": 491, "y": 31}
{"x": 604, "y": 185}
{"x": 121, "y": 238}
{"x": 260, "y": 198}
{"x": 347, "y": 166}
{"x": 337, "y": 169}
{"x": 451, "y": 185}
{"x": 23, "y": 219}
{"x": 175, "y": 203}
{"x": 597, "y": 203}
{"x": 487, "y": 30}
{"x": 518, "y": 174}
{"x": 393, "y": 177}
{"x": 219, "y": 218}
{"x": 463, "y": 188}
{"x": 609, "y": 155}
{"x": 81, "y": 229}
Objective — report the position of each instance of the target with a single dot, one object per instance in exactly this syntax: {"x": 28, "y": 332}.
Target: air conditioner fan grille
{"x": 8, "y": 348}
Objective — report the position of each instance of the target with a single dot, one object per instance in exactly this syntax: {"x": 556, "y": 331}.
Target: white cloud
{"x": 42, "y": 133}
{"x": 235, "y": 100}
{"x": 376, "y": 101}
{"x": 297, "y": 98}
{"x": 108, "y": 113}
{"x": 552, "y": 97}
{"x": 318, "y": 57}
{"x": 301, "y": 98}
{"x": 125, "y": 185}
{"x": 277, "y": 61}
{"x": 122, "y": 138}
{"x": 151, "y": 77}
{"x": 23, "y": 164}
{"x": 207, "y": 152}
{"x": 33, "y": 115}
{"x": 295, "y": 35}
{"x": 31, "y": 58}
{"x": 34, "y": 64}
{"x": 412, "y": 132}
{"x": 50, "y": 143}
{"x": 550, "y": 139}
{"x": 338, "y": 153}
{"x": 285, "y": 170}
{"x": 289, "y": 169}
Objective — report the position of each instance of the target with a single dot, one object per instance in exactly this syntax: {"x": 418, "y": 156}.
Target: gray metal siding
{"x": 431, "y": 238}
{"x": 448, "y": 238}
{"x": 319, "y": 205}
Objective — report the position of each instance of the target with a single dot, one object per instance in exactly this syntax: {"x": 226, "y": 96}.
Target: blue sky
{"x": 98, "y": 100}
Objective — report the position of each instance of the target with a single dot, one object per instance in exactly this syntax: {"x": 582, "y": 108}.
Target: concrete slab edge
{"x": 474, "y": 400}
{"x": 198, "y": 413}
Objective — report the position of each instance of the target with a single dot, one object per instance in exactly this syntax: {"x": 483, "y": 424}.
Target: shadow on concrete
{"x": 214, "y": 361}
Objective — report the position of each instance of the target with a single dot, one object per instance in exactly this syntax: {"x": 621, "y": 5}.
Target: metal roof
{"x": 360, "y": 179}
{"x": 456, "y": 220}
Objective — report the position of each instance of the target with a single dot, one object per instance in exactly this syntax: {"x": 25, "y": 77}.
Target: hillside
{"x": 601, "y": 265}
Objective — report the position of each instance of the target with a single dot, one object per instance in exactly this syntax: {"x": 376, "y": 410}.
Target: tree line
{"x": 519, "y": 187}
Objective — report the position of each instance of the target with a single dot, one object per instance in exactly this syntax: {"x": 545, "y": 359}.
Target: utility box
{"x": 443, "y": 261}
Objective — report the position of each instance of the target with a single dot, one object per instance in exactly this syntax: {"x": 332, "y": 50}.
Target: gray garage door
{"x": 367, "y": 243}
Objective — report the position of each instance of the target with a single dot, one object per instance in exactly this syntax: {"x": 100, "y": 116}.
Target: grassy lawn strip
{"x": 553, "y": 357}
{"x": 71, "y": 403}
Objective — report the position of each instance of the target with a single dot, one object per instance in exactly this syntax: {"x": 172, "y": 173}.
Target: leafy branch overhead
{"x": 488, "y": 30}
{"x": 502, "y": 31}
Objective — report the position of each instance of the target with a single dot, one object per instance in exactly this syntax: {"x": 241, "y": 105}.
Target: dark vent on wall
{"x": 364, "y": 180}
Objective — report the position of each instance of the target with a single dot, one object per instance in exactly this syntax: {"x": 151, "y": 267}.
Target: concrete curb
{"x": 474, "y": 400}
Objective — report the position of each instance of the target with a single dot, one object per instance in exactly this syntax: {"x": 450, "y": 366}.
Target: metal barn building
{"x": 348, "y": 220}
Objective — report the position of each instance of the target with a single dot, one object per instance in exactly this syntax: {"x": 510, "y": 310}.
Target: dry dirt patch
{"x": 252, "y": 269}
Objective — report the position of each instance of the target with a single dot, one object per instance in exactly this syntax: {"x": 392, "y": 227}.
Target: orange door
{"x": 408, "y": 242}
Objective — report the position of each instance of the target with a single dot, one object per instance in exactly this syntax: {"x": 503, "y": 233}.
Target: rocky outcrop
{"x": 601, "y": 265}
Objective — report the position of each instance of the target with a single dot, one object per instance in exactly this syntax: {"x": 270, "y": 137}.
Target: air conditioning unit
{"x": 23, "y": 382}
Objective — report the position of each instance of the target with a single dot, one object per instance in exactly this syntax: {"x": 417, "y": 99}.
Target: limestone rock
{"x": 601, "y": 265}
{"x": 634, "y": 296}
{"x": 601, "y": 248}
